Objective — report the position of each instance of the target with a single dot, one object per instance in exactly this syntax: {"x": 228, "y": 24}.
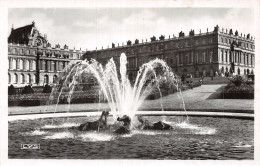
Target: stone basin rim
{"x": 144, "y": 113}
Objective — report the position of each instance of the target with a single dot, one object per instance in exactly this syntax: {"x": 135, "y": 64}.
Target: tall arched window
{"x": 210, "y": 56}
{"x": 222, "y": 56}
{"x": 61, "y": 65}
{"x": 9, "y": 78}
{"x": 14, "y": 63}
{"x": 14, "y": 50}
{"x": 34, "y": 79}
{"x": 21, "y": 64}
{"x": 15, "y": 78}
{"x": 46, "y": 79}
{"x": 10, "y": 63}
{"x": 28, "y": 80}
{"x": 55, "y": 79}
{"x": 33, "y": 65}
{"x": 204, "y": 57}
{"x": 27, "y": 64}
{"x": 22, "y": 78}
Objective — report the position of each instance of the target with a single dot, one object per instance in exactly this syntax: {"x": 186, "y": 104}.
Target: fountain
{"x": 123, "y": 97}
{"x": 193, "y": 138}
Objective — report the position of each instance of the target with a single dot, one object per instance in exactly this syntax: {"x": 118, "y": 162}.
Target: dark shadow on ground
{"x": 217, "y": 94}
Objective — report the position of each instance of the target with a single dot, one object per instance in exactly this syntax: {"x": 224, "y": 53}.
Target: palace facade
{"x": 202, "y": 54}
{"x": 32, "y": 59}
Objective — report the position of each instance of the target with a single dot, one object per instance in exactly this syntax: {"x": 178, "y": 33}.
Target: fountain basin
{"x": 201, "y": 138}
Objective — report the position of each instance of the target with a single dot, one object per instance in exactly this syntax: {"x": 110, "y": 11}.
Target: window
{"x": 14, "y": 63}
{"x": 21, "y": 51}
{"x": 21, "y": 64}
{"x": 210, "y": 40}
{"x": 33, "y": 65}
{"x": 9, "y": 78}
{"x": 196, "y": 42}
{"x": 46, "y": 79}
{"x": 222, "y": 56}
{"x": 28, "y": 78}
{"x": 34, "y": 78}
{"x": 226, "y": 56}
{"x": 55, "y": 79}
{"x": 204, "y": 57}
{"x": 22, "y": 78}
{"x": 14, "y": 50}
{"x": 171, "y": 61}
{"x": 15, "y": 78}
{"x": 211, "y": 56}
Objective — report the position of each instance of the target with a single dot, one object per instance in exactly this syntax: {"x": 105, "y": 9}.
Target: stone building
{"x": 198, "y": 54}
{"x": 32, "y": 59}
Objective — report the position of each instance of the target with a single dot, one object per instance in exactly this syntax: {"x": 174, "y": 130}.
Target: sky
{"x": 91, "y": 28}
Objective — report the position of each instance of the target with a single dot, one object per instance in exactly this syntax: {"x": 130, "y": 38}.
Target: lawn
{"x": 197, "y": 99}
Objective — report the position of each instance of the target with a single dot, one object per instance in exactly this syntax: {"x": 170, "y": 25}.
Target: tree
{"x": 27, "y": 90}
{"x": 47, "y": 89}
{"x": 11, "y": 90}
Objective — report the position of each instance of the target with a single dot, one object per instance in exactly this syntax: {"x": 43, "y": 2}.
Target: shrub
{"x": 238, "y": 88}
{"x": 27, "y": 90}
{"x": 11, "y": 90}
{"x": 29, "y": 103}
{"x": 47, "y": 89}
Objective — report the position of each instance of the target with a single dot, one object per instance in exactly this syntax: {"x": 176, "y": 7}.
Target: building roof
{"x": 21, "y": 35}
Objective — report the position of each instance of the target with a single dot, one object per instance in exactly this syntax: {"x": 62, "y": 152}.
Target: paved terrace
{"x": 202, "y": 99}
